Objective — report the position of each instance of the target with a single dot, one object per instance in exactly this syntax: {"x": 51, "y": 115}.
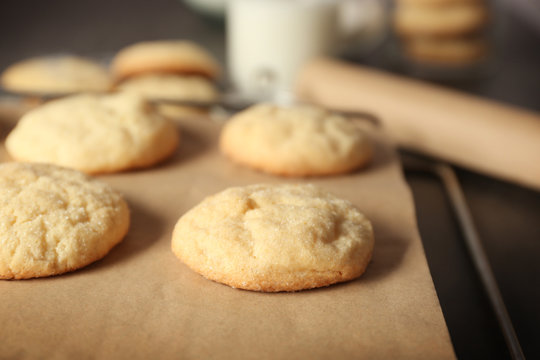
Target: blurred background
{"x": 508, "y": 71}
{"x": 100, "y": 28}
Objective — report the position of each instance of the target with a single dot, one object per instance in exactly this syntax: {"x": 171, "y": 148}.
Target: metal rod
{"x": 479, "y": 257}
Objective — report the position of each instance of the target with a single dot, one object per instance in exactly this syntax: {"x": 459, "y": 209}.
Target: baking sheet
{"x": 141, "y": 302}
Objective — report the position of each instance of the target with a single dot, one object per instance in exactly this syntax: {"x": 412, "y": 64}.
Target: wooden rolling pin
{"x": 475, "y": 133}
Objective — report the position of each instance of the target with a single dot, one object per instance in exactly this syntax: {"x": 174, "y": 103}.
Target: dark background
{"x": 507, "y": 216}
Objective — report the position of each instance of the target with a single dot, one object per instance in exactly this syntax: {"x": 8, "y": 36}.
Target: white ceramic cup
{"x": 268, "y": 41}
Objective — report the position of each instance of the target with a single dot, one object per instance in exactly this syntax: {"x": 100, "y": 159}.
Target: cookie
{"x": 274, "y": 238}
{"x": 56, "y": 75}
{"x": 171, "y": 86}
{"x": 94, "y": 134}
{"x": 173, "y": 56}
{"x": 458, "y": 51}
{"x": 295, "y": 141}
{"x": 54, "y": 220}
{"x": 438, "y": 2}
{"x": 452, "y": 19}
{"x": 174, "y": 87}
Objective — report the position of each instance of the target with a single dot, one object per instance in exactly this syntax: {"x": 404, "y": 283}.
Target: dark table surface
{"x": 507, "y": 216}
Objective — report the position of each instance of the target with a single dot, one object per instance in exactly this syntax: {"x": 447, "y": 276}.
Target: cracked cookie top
{"x": 94, "y": 134}
{"x": 54, "y": 220}
{"x": 274, "y": 238}
{"x": 298, "y": 140}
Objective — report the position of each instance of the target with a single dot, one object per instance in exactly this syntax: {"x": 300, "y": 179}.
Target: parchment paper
{"x": 141, "y": 302}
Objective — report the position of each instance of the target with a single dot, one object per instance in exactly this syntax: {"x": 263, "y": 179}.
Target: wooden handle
{"x": 482, "y": 135}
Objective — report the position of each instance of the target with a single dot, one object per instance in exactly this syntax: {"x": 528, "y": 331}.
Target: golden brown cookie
{"x": 56, "y": 75}
{"x": 172, "y": 87}
{"x": 172, "y": 56}
{"x": 450, "y": 19}
{"x": 94, "y": 134}
{"x": 54, "y": 220}
{"x": 438, "y": 2}
{"x": 295, "y": 141}
{"x": 274, "y": 238}
{"x": 458, "y": 51}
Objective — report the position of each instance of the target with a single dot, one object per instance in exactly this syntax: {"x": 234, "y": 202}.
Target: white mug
{"x": 268, "y": 41}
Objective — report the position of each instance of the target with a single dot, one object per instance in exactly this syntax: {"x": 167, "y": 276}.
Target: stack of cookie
{"x": 442, "y": 32}
{"x": 169, "y": 70}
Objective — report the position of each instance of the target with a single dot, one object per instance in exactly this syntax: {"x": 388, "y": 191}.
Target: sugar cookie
{"x": 452, "y": 19}
{"x": 458, "y": 51}
{"x": 166, "y": 56}
{"x": 54, "y": 220}
{"x": 56, "y": 75}
{"x": 173, "y": 87}
{"x": 295, "y": 141}
{"x": 274, "y": 238}
{"x": 94, "y": 134}
{"x": 437, "y": 2}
